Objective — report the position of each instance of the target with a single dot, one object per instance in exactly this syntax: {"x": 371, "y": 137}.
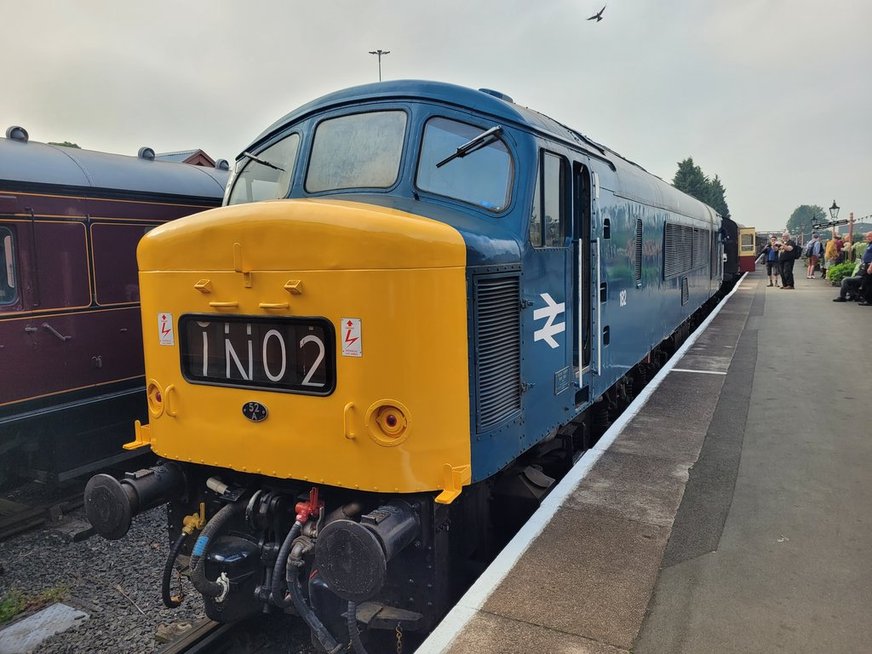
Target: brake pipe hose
{"x": 353, "y": 629}
{"x": 277, "y": 588}
{"x": 201, "y": 547}
{"x": 169, "y": 601}
{"x": 328, "y": 642}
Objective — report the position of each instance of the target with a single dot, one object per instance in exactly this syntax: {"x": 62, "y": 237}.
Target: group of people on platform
{"x": 781, "y": 254}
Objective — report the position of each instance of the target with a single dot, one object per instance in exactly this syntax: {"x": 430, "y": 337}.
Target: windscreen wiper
{"x": 476, "y": 142}
{"x": 262, "y": 162}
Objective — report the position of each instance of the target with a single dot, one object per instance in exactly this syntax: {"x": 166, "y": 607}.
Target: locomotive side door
{"x": 547, "y": 373}
{"x": 582, "y": 274}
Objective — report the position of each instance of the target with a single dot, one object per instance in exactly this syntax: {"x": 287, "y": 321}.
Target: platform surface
{"x": 732, "y": 513}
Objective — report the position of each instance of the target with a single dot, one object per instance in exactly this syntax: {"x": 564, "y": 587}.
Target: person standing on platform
{"x": 786, "y": 259}
{"x": 840, "y": 256}
{"x": 773, "y": 268}
{"x": 815, "y": 249}
{"x": 830, "y": 254}
{"x": 847, "y": 250}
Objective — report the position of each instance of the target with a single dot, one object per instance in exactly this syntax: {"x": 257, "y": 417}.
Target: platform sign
{"x": 350, "y": 337}
{"x": 165, "y": 329}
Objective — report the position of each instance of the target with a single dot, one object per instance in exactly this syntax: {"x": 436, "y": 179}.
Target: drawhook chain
{"x": 399, "y": 638}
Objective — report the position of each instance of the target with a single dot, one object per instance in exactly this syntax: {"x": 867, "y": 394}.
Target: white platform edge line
{"x": 466, "y": 608}
{"x": 700, "y": 372}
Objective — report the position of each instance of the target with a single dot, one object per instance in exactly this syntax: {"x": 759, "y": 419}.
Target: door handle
{"x": 54, "y": 331}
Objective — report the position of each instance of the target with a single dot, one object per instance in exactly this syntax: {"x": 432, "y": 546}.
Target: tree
{"x": 800, "y": 222}
{"x": 65, "y": 144}
{"x": 717, "y": 197}
{"x": 690, "y": 179}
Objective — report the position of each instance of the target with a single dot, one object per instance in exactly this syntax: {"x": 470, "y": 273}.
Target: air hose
{"x": 353, "y": 630}
{"x": 212, "y": 529}
{"x": 169, "y": 601}
{"x": 295, "y": 594}
{"x": 278, "y": 596}
{"x": 324, "y": 637}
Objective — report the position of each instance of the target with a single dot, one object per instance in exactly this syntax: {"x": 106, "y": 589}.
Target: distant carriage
{"x": 748, "y": 250}
{"x": 71, "y": 367}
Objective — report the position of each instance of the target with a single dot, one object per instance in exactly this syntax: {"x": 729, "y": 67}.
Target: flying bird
{"x": 598, "y": 16}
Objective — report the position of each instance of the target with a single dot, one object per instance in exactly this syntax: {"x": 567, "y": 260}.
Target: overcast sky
{"x": 773, "y": 96}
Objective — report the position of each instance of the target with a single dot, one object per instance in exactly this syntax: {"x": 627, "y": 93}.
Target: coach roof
{"x": 29, "y": 162}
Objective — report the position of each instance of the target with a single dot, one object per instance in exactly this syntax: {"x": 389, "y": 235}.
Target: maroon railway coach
{"x": 71, "y": 367}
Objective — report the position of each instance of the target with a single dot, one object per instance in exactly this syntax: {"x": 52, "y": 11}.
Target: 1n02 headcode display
{"x": 282, "y": 354}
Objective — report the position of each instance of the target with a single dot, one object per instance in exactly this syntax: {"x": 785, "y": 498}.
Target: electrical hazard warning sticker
{"x": 349, "y": 336}
{"x": 165, "y": 329}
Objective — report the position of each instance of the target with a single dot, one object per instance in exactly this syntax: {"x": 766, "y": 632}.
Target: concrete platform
{"x": 730, "y": 512}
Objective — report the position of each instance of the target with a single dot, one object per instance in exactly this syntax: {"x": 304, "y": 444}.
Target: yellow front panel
{"x": 414, "y": 342}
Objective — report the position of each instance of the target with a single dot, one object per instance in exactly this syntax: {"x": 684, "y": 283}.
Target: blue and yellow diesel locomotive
{"x": 417, "y": 298}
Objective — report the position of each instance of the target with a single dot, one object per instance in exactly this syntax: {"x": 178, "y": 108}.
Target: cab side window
{"x": 8, "y": 283}
{"x": 266, "y": 175}
{"x": 550, "y": 205}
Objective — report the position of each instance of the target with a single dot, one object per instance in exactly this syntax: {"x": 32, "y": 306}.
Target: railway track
{"x": 255, "y": 635}
{"x": 18, "y": 517}
{"x": 205, "y": 636}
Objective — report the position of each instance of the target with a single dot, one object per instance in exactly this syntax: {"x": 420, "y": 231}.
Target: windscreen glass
{"x": 483, "y": 176}
{"x": 357, "y": 151}
{"x": 266, "y": 175}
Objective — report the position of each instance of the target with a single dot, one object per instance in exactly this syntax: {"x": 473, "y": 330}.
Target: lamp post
{"x": 834, "y": 215}
{"x": 379, "y": 53}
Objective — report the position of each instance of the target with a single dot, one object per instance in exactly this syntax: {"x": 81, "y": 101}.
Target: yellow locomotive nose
{"x": 320, "y": 340}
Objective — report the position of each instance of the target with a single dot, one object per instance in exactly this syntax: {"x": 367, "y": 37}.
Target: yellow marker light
{"x": 388, "y": 422}
{"x": 155, "y": 399}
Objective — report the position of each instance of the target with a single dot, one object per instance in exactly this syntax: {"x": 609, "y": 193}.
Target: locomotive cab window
{"x": 8, "y": 286}
{"x": 357, "y": 151}
{"x": 266, "y": 175}
{"x": 466, "y": 163}
{"x": 548, "y": 218}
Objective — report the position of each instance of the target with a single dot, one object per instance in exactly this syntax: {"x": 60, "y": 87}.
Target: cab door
{"x": 547, "y": 371}
{"x": 584, "y": 286}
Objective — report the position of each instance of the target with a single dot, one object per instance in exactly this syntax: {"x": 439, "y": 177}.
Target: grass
{"x": 15, "y": 602}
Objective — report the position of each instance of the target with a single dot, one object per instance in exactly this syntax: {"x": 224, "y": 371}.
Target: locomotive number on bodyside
{"x": 294, "y": 355}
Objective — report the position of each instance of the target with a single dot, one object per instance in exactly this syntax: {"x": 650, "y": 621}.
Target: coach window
{"x": 551, "y": 203}
{"x": 8, "y": 291}
{"x": 482, "y": 175}
{"x": 357, "y": 151}
{"x": 266, "y": 175}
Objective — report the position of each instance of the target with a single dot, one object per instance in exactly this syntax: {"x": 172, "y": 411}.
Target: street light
{"x": 834, "y": 214}
{"x": 379, "y": 53}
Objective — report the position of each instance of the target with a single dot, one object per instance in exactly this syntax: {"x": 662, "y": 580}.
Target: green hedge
{"x": 838, "y": 272}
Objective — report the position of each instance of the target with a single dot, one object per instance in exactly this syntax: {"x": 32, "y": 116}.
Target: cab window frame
{"x": 312, "y": 139}
{"x": 511, "y": 175}
{"x": 544, "y": 198}
{"x": 263, "y": 153}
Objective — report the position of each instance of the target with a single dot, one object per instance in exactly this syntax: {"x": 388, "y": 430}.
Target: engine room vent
{"x": 497, "y": 324}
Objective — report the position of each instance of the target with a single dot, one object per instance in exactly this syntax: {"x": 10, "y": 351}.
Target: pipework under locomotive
{"x": 414, "y": 307}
